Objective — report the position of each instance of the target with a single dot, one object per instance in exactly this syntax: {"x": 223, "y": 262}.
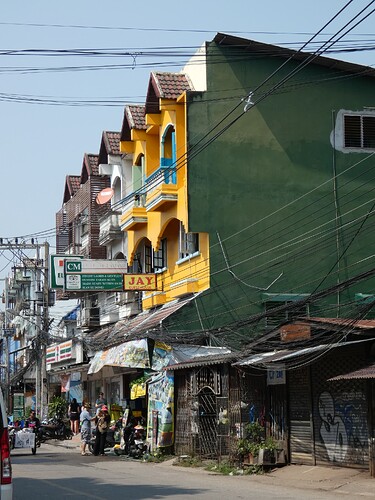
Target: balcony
{"x": 161, "y": 187}
{"x": 109, "y": 228}
{"x": 134, "y": 211}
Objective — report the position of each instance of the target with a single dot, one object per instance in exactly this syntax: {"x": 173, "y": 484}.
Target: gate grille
{"x": 207, "y": 424}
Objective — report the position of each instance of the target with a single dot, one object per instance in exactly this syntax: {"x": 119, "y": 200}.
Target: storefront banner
{"x": 161, "y": 356}
{"x": 65, "y": 383}
{"x": 138, "y": 391}
{"x": 59, "y": 352}
{"x": 133, "y": 354}
{"x": 160, "y": 412}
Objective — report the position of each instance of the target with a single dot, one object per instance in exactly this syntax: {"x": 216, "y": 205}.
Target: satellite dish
{"x": 104, "y": 196}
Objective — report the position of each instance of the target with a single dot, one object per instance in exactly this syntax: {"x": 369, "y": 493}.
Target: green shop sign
{"x": 94, "y": 282}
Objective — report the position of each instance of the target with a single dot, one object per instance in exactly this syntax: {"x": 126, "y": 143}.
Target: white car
{"x": 6, "y": 486}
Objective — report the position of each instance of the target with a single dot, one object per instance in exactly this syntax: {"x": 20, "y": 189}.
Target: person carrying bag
{"x": 102, "y": 421}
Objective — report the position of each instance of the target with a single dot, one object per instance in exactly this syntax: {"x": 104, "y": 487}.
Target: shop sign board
{"x": 59, "y": 352}
{"x": 94, "y": 282}
{"x": 94, "y": 274}
{"x": 56, "y": 269}
{"x": 104, "y": 275}
{"x": 140, "y": 282}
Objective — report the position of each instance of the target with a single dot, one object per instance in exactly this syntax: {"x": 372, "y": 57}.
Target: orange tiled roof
{"x": 73, "y": 183}
{"x": 136, "y": 117}
{"x": 170, "y": 85}
{"x": 92, "y": 163}
{"x": 112, "y": 142}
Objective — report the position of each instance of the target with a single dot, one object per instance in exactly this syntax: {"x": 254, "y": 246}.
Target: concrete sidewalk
{"x": 356, "y": 483}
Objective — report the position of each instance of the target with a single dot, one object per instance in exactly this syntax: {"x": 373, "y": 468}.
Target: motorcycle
{"x": 112, "y": 437}
{"x": 54, "y": 429}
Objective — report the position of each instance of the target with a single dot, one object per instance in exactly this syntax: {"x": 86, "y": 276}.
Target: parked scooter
{"x": 54, "y": 429}
{"x": 132, "y": 438}
{"x": 137, "y": 445}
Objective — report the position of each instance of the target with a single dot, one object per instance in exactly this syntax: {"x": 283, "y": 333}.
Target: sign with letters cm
{"x": 104, "y": 275}
{"x": 276, "y": 375}
{"x": 56, "y": 268}
{"x": 101, "y": 275}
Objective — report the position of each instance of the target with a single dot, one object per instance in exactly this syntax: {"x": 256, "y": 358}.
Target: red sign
{"x": 140, "y": 282}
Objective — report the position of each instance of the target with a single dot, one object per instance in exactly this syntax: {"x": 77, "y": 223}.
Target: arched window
{"x": 116, "y": 191}
{"x": 168, "y": 155}
{"x": 139, "y": 180}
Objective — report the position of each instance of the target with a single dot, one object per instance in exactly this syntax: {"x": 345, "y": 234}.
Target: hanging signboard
{"x": 104, "y": 275}
{"x": 56, "y": 269}
{"x": 59, "y": 352}
{"x": 140, "y": 282}
{"x": 94, "y": 274}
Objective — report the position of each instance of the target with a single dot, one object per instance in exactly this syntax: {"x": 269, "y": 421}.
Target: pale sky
{"x": 43, "y": 142}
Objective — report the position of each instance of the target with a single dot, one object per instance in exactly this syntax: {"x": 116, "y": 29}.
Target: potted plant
{"x": 254, "y": 447}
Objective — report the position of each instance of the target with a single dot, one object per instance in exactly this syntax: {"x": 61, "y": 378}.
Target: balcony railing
{"x": 165, "y": 174}
{"x": 133, "y": 200}
{"x": 109, "y": 227}
{"x": 131, "y": 206}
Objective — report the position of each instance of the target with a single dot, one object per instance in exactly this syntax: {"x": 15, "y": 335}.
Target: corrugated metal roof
{"x": 367, "y": 372}
{"x": 361, "y": 324}
{"x": 285, "y": 355}
{"x": 212, "y": 359}
{"x": 139, "y": 325}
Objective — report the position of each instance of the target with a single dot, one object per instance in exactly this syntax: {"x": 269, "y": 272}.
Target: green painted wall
{"x": 244, "y": 186}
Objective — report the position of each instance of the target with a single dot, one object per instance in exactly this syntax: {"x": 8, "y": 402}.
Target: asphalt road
{"x": 55, "y": 473}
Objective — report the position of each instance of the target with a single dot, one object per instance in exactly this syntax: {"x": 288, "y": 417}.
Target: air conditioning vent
{"x": 88, "y": 317}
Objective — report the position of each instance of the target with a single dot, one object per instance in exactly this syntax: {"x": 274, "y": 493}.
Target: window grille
{"x": 359, "y": 131}
{"x": 160, "y": 257}
{"x": 188, "y": 244}
{"x": 280, "y": 317}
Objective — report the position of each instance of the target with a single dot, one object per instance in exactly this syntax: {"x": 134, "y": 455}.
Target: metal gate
{"x": 207, "y": 423}
{"x": 300, "y": 417}
{"x": 340, "y": 411}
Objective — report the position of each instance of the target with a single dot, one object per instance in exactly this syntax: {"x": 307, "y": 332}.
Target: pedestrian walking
{"x": 85, "y": 419}
{"x": 74, "y": 411}
{"x": 101, "y": 401}
{"x": 102, "y": 421}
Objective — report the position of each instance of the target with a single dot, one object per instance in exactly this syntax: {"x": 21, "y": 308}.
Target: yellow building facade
{"x": 155, "y": 212}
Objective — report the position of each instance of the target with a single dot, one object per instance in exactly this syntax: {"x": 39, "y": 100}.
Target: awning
{"x": 287, "y": 354}
{"x": 193, "y": 356}
{"x": 132, "y": 354}
{"x": 367, "y": 372}
{"x": 141, "y": 325}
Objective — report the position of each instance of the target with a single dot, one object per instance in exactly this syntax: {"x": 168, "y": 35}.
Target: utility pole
{"x": 41, "y": 314}
{"x": 6, "y": 334}
{"x": 45, "y": 331}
